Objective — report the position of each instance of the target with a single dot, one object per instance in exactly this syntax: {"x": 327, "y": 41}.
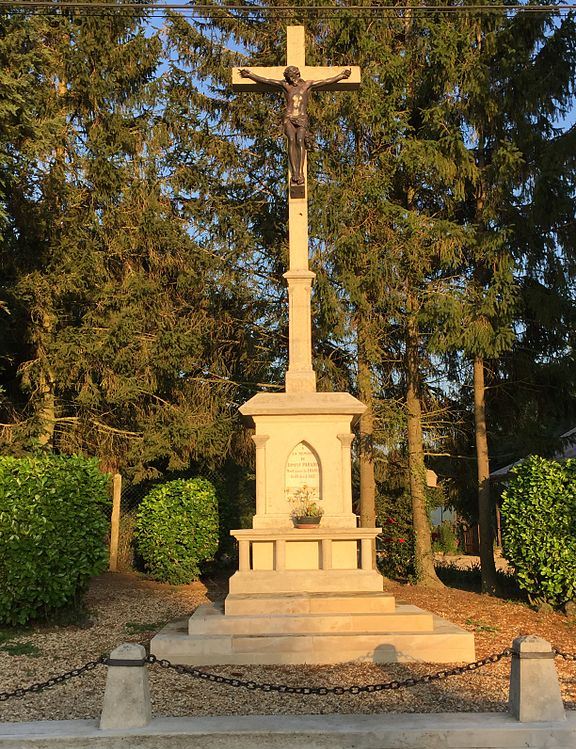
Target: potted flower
{"x": 305, "y": 512}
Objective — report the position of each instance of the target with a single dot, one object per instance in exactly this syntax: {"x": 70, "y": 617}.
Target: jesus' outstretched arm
{"x": 329, "y": 81}
{"x": 245, "y": 73}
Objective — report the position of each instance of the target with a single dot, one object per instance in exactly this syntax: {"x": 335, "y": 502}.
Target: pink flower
{"x": 401, "y": 540}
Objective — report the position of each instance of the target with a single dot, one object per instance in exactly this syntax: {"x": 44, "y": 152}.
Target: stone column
{"x": 367, "y": 553}
{"x": 534, "y": 689}
{"x": 244, "y": 556}
{"x": 300, "y": 377}
{"x": 127, "y": 695}
{"x": 346, "y": 440}
{"x": 326, "y": 550}
{"x": 260, "y": 442}
{"x": 280, "y": 555}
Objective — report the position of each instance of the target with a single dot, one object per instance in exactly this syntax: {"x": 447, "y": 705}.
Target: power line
{"x": 251, "y": 9}
{"x": 256, "y": 14}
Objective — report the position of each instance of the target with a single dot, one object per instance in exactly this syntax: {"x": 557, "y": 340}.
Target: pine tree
{"x": 509, "y": 135}
{"x": 391, "y": 213}
{"x": 136, "y": 336}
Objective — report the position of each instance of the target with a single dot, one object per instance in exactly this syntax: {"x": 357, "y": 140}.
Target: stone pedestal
{"x": 303, "y": 439}
{"x": 314, "y": 595}
{"x": 127, "y": 696}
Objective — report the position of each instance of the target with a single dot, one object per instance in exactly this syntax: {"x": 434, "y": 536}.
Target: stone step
{"x": 210, "y": 620}
{"x": 273, "y": 582}
{"x": 446, "y": 643}
{"x": 310, "y": 603}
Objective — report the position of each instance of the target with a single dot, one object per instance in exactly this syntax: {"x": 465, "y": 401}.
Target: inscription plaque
{"x": 303, "y": 469}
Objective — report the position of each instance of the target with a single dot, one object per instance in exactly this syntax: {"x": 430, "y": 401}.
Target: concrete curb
{"x": 386, "y": 731}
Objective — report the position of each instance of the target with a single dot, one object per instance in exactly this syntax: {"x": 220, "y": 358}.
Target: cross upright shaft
{"x": 300, "y": 376}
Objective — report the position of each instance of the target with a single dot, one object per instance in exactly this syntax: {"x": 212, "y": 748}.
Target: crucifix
{"x": 296, "y": 81}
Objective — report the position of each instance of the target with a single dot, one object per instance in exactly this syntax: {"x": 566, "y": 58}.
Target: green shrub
{"x": 444, "y": 538}
{"x": 395, "y": 546}
{"x": 53, "y": 526}
{"x": 177, "y": 529}
{"x": 539, "y": 532}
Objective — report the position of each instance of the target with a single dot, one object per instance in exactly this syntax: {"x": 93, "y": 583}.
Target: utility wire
{"x": 253, "y": 18}
{"x": 256, "y": 14}
{"x": 209, "y": 10}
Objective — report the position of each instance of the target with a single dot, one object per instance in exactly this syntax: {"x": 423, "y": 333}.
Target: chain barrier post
{"x": 534, "y": 689}
{"x": 127, "y": 695}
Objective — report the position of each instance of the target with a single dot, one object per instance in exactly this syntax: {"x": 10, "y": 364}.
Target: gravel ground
{"x": 129, "y": 608}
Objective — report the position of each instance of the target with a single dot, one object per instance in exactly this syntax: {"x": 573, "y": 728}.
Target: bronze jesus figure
{"x": 295, "y": 120}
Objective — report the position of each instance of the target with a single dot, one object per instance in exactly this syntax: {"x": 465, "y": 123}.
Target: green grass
{"x": 136, "y": 627}
{"x": 479, "y": 626}
{"x": 10, "y": 633}
{"x": 21, "y": 648}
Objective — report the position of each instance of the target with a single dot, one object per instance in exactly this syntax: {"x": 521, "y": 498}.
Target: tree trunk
{"x": 367, "y": 479}
{"x": 366, "y": 446}
{"x": 46, "y": 410}
{"x": 424, "y": 556}
{"x": 487, "y": 565}
{"x": 46, "y": 386}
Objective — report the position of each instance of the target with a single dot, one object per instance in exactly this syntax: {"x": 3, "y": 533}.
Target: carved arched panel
{"x": 303, "y": 473}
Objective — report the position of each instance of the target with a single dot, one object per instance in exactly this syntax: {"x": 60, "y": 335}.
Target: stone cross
{"x": 300, "y": 377}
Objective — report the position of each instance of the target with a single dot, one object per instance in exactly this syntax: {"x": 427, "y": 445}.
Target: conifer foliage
{"x": 143, "y": 215}
{"x": 126, "y": 327}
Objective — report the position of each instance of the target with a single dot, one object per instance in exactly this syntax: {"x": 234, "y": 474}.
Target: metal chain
{"x": 42, "y": 685}
{"x": 285, "y": 689}
{"x": 565, "y": 656}
{"x": 282, "y": 688}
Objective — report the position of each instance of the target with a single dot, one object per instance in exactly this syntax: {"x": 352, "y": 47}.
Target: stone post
{"x": 127, "y": 696}
{"x": 534, "y": 689}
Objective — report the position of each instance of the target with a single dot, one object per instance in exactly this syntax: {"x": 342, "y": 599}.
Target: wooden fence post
{"x": 115, "y": 522}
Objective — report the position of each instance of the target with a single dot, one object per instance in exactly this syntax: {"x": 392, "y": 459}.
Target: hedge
{"x": 53, "y": 527}
{"x": 177, "y": 529}
{"x": 539, "y": 531}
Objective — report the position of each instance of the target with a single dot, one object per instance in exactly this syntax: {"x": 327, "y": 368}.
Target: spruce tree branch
{"x": 100, "y": 425}
{"x": 449, "y": 455}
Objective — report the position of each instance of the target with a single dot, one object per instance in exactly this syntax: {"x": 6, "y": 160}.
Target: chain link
{"x": 565, "y": 656}
{"x": 281, "y": 688}
{"x": 53, "y": 681}
{"x": 285, "y": 689}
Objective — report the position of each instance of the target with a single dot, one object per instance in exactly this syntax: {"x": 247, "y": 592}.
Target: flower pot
{"x": 306, "y": 522}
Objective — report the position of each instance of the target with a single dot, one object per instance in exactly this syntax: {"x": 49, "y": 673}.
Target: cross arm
{"x": 308, "y": 73}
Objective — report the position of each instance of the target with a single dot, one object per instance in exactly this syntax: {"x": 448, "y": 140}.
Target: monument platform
{"x": 347, "y": 629}
{"x": 288, "y": 604}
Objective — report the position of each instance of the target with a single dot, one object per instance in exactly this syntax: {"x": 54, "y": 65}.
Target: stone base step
{"x": 309, "y": 603}
{"x": 446, "y": 643}
{"x": 210, "y": 620}
{"x": 312, "y": 581}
